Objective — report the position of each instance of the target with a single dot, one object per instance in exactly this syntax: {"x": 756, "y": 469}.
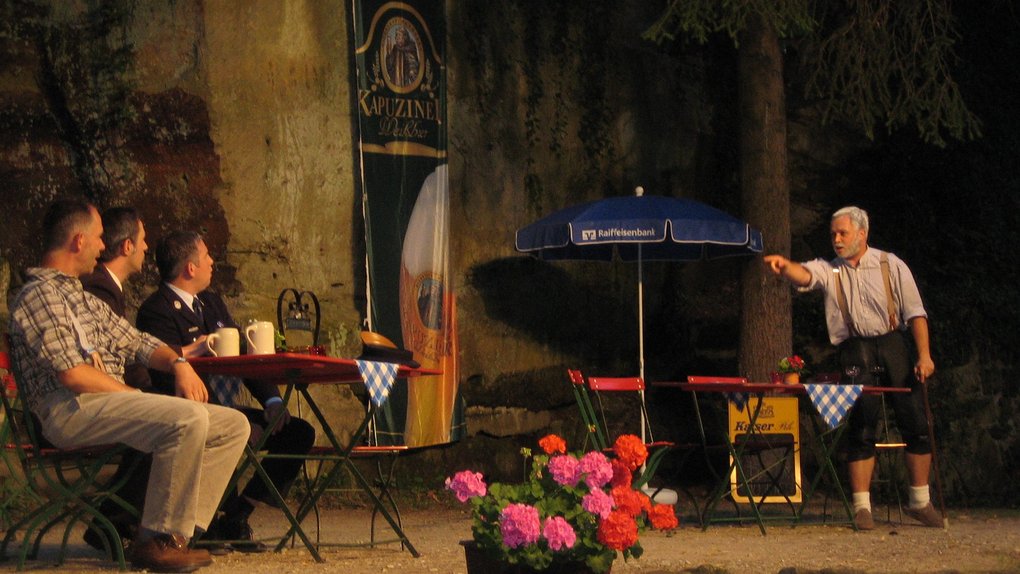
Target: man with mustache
{"x": 871, "y": 300}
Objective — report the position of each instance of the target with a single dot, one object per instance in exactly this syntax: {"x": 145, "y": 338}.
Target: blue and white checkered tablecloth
{"x": 226, "y": 388}
{"x": 378, "y": 378}
{"x": 833, "y": 402}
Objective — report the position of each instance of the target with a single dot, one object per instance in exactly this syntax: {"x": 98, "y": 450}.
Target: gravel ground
{"x": 978, "y": 541}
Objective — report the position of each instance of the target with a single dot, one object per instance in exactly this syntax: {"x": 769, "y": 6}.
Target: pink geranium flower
{"x": 596, "y": 468}
{"x": 519, "y": 524}
{"x": 466, "y": 484}
{"x": 598, "y": 502}
{"x": 559, "y": 533}
{"x": 565, "y": 469}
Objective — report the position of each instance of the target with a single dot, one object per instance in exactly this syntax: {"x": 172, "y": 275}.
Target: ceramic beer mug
{"x": 225, "y": 342}
{"x": 261, "y": 338}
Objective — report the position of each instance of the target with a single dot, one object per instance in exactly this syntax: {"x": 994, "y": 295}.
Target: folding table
{"x": 298, "y": 371}
{"x": 825, "y": 440}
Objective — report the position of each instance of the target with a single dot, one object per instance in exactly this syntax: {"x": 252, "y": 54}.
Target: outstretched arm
{"x": 791, "y": 271}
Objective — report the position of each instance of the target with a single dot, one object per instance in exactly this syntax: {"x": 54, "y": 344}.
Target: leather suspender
{"x": 890, "y": 302}
{"x": 893, "y": 314}
{"x": 843, "y": 308}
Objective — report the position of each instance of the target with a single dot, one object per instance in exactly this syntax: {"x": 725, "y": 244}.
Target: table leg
{"x": 295, "y": 525}
{"x": 736, "y": 451}
{"x": 343, "y": 459}
{"x": 826, "y": 442}
{"x": 252, "y": 458}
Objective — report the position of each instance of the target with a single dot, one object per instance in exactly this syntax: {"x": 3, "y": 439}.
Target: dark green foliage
{"x": 871, "y": 64}
{"x": 889, "y": 64}
{"x": 85, "y": 75}
{"x": 700, "y": 19}
{"x": 557, "y": 55}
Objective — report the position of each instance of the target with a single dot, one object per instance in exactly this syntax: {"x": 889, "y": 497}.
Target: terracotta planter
{"x": 791, "y": 378}
{"x": 478, "y": 562}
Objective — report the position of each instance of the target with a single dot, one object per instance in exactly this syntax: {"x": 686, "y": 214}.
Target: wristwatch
{"x": 180, "y": 360}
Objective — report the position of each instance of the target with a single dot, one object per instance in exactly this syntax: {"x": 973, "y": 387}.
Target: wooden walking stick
{"x": 934, "y": 455}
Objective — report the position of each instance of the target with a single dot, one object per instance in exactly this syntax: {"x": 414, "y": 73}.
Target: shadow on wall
{"x": 556, "y": 309}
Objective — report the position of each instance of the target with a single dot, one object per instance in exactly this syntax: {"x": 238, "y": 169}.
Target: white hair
{"x": 857, "y": 215}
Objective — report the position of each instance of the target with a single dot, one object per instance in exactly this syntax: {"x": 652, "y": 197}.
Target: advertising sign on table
{"x": 401, "y": 129}
{"x": 773, "y": 472}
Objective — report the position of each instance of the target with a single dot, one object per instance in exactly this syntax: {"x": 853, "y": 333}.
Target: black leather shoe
{"x": 94, "y": 535}
{"x": 209, "y": 541}
{"x": 238, "y": 533}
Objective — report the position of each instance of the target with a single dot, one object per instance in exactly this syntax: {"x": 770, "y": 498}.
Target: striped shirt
{"x": 865, "y": 294}
{"x": 45, "y": 341}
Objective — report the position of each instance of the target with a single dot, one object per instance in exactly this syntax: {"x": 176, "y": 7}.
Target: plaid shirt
{"x": 44, "y": 341}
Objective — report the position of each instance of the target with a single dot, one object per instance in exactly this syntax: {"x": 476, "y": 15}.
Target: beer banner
{"x": 401, "y": 131}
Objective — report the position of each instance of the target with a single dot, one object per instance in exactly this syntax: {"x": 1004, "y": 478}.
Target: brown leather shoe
{"x": 168, "y": 553}
{"x": 926, "y": 515}
{"x": 863, "y": 520}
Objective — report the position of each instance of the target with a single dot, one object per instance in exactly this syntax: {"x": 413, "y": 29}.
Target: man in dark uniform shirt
{"x": 183, "y": 310}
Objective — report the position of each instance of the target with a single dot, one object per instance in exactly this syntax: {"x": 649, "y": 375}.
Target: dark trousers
{"x": 296, "y": 438}
{"x": 883, "y": 361}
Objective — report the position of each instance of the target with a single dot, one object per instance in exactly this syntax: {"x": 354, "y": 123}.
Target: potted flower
{"x": 574, "y": 513}
{"x": 791, "y": 368}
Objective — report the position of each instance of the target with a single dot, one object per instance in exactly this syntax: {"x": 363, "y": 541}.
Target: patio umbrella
{"x": 639, "y": 228}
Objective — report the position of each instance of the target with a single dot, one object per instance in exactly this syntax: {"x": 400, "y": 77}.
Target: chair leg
{"x": 886, "y": 480}
{"x": 39, "y": 524}
{"x": 386, "y": 480}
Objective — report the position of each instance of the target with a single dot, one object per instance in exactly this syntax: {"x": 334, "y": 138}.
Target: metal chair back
{"x": 604, "y": 387}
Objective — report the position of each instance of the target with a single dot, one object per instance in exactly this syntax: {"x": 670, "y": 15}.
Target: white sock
{"x": 862, "y": 500}
{"x": 920, "y": 496}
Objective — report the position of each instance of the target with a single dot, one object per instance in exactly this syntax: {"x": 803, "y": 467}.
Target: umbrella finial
{"x": 639, "y": 191}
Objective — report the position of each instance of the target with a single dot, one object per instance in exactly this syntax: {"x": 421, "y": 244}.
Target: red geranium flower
{"x": 553, "y": 444}
{"x": 631, "y": 501}
{"x": 619, "y": 531}
{"x": 621, "y": 474}
{"x": 663, "y": 517}
{"x": 631, "y": 450}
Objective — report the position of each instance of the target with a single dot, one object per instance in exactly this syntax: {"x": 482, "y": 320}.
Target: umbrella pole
{"x": 641, "y": 317}
{"x": 641, "y": 337}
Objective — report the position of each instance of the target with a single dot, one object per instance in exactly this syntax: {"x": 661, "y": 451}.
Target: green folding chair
{"x": 592, "y": 433}
{"x": 64, "y": 483}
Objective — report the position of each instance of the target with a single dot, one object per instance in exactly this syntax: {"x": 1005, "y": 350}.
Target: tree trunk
{"x": 766, "y": 324}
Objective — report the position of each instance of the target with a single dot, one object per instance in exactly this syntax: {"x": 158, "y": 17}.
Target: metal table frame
{"x": 825, "y": 443}
{"x": 298, "y": 371}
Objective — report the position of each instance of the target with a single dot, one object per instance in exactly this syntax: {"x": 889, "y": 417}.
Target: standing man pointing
{"x": 871, "y": 300}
